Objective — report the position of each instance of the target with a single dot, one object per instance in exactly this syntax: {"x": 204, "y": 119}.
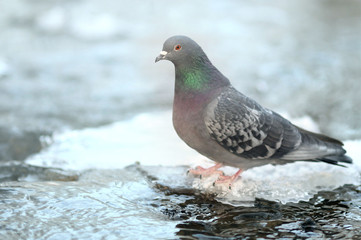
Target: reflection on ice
{"x": 150, "y": 140}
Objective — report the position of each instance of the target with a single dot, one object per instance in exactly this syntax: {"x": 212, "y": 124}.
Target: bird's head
{"x": 180, "y": 49}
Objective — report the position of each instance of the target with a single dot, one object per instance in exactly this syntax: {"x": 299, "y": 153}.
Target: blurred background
{"x": 78, "y": 84}
{"x": 76, "y": 64}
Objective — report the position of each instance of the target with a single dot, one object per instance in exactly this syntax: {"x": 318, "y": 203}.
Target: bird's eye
{"x": 177, "y": 47}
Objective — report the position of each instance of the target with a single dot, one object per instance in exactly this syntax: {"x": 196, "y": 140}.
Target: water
{"x": 87, "y": 150}
{"x": 85, "y": 209}
{"x": 90, "y": 183}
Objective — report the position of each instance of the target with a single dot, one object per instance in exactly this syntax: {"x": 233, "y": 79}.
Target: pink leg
{"x": 206, "y": 171}
{"x": 228, "y": 179}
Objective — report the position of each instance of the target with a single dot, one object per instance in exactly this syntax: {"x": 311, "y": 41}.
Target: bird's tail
{"x": 337, "y": 157}
{"x": 335, "y": 160}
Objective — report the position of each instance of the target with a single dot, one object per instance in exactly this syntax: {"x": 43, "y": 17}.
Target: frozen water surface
{"x": 116, "y": 205}
{"x": 87, "y": 149}
{"x": 151, "y": 141}
{"x": 127, "y": 186}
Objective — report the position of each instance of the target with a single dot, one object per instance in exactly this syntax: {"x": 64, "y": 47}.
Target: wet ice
{"x": 149, "y": 139}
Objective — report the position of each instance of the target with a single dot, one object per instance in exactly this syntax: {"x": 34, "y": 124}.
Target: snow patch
{"x": 148, "y": 139}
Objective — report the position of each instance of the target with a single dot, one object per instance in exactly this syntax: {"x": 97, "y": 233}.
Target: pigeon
{"x": 224, "y": 125}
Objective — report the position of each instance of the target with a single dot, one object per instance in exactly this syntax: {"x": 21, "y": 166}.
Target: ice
{"x": 150, "y": 139}
{"x": 288, "y": 183}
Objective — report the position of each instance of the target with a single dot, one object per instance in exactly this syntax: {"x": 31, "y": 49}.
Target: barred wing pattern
{"x": 245, "y": 128}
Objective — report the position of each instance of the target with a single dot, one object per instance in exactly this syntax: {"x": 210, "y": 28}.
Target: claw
{"x": 228, "y": 179}
{"x": 203, "y": 172}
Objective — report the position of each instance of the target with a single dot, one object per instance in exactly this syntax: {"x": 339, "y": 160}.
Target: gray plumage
{"x": 226, "y": 126}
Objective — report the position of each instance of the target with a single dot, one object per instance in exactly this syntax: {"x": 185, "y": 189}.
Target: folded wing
{"x": 245, "y": 128}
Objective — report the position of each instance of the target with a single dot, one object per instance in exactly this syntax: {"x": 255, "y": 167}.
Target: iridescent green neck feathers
{"x": 194, "y": 80}
{"x": 198, "y": 76}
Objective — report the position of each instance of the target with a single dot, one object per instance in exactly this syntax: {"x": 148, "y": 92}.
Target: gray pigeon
{"x": 219, "y": 122}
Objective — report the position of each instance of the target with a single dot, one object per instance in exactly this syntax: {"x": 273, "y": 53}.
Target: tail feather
{"x": 320, "y": 137}
{"x": 335, "y": 160}
{"x": 320, "y": 147}
{"x": 333, "y": 143}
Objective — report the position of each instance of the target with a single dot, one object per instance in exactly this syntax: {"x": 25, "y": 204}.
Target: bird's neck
{"x": 198, "y": 77}
{"x": 196, "y": 85}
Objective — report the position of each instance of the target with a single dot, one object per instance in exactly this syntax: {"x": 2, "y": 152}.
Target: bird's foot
{"x": 228, "y": 180}
{"x": 203, "y": 172}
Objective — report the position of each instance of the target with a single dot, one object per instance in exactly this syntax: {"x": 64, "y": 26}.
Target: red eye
{"x": 177, "y": 47}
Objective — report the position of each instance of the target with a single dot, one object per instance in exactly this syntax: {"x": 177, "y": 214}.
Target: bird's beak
{"x": 161, "y": 56}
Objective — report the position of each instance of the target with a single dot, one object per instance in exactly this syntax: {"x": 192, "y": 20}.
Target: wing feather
{"x": 246, "y": 129}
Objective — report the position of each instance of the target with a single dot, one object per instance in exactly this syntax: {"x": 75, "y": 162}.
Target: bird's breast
{"x": 188, "y": 118}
